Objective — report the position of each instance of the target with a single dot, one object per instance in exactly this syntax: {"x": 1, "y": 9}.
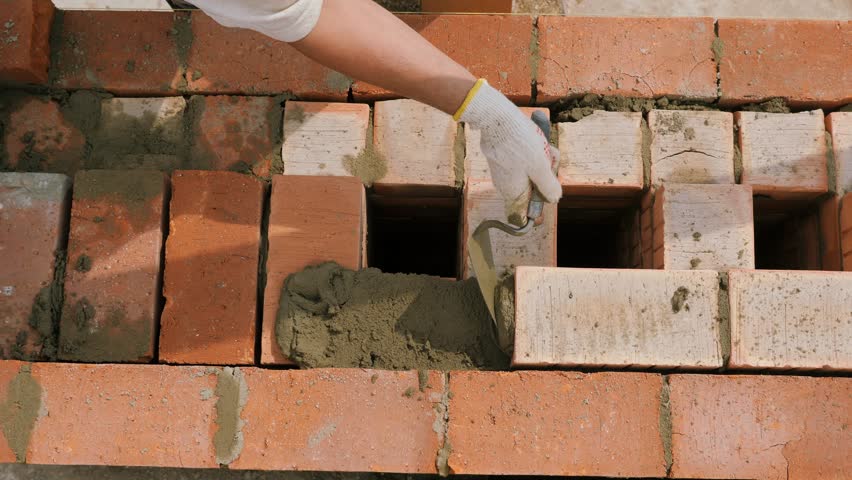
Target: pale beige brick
{"x": 418, "y": 143}
{"x": 691, "y": 146}
{"x": 538, "y": 247}
{"x": 602, "y": 153}
{"x": 783, "y": 154}
{"x": 840, "y": 126}
{"x": 616, "y": 318}
{"x": 703, "y": 227}
{"x": 475, "y": 163}
{"x": 791, "y": 320}
{"x": 318, "y": 136}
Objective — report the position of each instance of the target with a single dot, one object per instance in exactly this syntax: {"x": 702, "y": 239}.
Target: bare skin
{"x": 374, "y": 46}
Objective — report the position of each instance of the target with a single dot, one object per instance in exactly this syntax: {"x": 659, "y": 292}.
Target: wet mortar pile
{"x": 333, "y": 317}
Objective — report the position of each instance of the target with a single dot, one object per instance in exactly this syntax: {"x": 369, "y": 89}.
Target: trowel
{"x": 479, "y": 244}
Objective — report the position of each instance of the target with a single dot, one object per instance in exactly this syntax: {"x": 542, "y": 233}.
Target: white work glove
{"x": 516, "y": 149}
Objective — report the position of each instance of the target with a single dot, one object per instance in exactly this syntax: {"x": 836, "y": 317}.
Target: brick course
{"x": 24, "y": 41}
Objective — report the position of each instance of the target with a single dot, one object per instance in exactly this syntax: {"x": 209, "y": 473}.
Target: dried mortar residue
{"x": 724, "y": 318}
{"x": 332, "y": 317}
{"x": 369, "y": 165}
{"x": 575, "y": 109}
{"x": 83, "y": 263}
{"x": 718, "y": 47}
{"x": 20, "y": 410}
{"x": 46, "y": 311}
{"x": 774, "y": 105}
{"x": 679, "y": 300}
{"x": 232, "y": 394}
{"x": 338, "y": 82}
{"x": 110, "y": 338}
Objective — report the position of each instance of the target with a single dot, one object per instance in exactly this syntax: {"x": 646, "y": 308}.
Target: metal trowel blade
{"x": 482, "y": 259}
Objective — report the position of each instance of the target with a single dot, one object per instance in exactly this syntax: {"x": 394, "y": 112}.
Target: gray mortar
{"x": 535, "y": 55}
{"x": 459, "y": 152}
{"x": 647, "y": 138}
{"x": 724, "y": 318}
{"x": 831, "y": 165}
{"x": 20, "y": 410}
{"x": 441, "y": 428}
{"x": 666, "y": 423}
{"x": 232, "y": 393}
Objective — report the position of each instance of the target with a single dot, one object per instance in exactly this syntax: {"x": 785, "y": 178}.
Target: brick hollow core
{"x": 217, "y": 253}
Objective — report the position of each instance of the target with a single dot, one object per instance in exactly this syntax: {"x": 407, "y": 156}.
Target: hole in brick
{"x": 598, "y": 233}
{"x": 413, "y": 234}
{"x": 791, "y": 235}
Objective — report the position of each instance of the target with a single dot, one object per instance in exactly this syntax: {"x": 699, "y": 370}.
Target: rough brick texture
{"x": 319, "y": 136}
{"x": 156, "y": 127}
{"x": 506, "y": 63}
{"x": 236, "y": 61}
{"x": 794, "y": 59}
{"x": 839, "y": 124}
{"x": 417, "y": 141}
{"x": 475, "y": 163}
{"x": 601, "y": 154}
{"x": 311, "y": 220}
{"x": 344, "y": 420}
{"x": 538, "y": 247}
{"x": 113, "y": 279}
{"x": 235, "y": 133}
{"x": 122, "y": 415}
{"x": 691, "y": 147}
{"x": 634, "y": 57}
{"x": 783, "y": 154}
{"x": 768, "y": 427}
{"x": 555, "y": 423}
{"x": 24, "y": 38}
{"x": 791, "y": 320}
{"x": 126, "y": 53}
{"x": 707, "y": 227}
{"x": 33, "y": 222}
{"x": 656, "y": 318}
{"x": 846, "y": 231}
{"x": 37, "y": 137}
{"x": 210, "y": 280}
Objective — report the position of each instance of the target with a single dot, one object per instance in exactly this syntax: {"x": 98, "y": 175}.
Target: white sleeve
{"x": 285, "y": 20}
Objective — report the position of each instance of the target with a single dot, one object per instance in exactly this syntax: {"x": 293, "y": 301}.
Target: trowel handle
{"x": 536, "y": 205}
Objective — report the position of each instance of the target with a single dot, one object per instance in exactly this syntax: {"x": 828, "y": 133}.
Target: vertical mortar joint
{"x": 232, "y": 394}
{"x": 724, "y": 318}
{"x": 534, "y": 59}
{"x": 831, "y": 163}
{"x": 666, "y": 424}
{"x": 441, "y": 428}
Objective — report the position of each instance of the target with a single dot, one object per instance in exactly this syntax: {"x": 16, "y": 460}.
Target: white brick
{"x": 791, "y": 320}
{"x": 783, "y": 154}
{"x": 703, "y": 227}
{"x": 538, "y": 247}
{"x": 417, "y": 142}
{"x": 616, "y": 318}
{"x": 318, "y": 135}
{"x": 691, "y": 146}
{"x": 602, "y": 150}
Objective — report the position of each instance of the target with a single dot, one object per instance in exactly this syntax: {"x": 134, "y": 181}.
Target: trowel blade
{"x": 482, "y": 259}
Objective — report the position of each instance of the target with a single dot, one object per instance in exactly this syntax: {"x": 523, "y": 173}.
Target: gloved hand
{"x": 516, "y": 149}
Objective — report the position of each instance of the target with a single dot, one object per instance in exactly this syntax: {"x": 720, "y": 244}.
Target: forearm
{"x": 364, "y": 41}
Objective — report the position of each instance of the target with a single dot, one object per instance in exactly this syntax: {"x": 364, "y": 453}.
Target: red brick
{"x": 803, "y": 61}
{"x": 344, "y": 420}
{"x": 124, "y": 415}
{"x": 602, "y": 155}
{"x": 37, "y": 137}
{"x": 831, "y": 256}
{"x": 235, "y": 133}
{"x": 24, "y": 41}
{"x": 783, "y": 154}
{"x": 634, "y": 57}
{"x": 311, "y": 220}
{"x": 33, "y": 222}
{"x": 506, "y": 62}
{"x": 846, "y": 231}
{"x": 556, "y": 423}
{"x": 126, "y": 53}
{"x": 210, "y": 281}
{"x": 839, "y": 125}
{"x": 237, "y": 61}
{"x": 767, "y": 427}
{"x": 112, "y": 282}
{"x": 469, "y": 6}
